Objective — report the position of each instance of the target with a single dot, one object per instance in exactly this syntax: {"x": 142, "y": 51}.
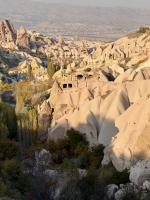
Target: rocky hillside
{"x": 107, "y": 98}
{"x": 100, "y": 89}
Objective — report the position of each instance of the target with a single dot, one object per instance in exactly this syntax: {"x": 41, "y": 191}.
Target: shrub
{"x": 11, "y": 170}
{"x": 56, "y": 158}
{"x": 63, "y": 144}
{"x": 22, "y": 182}
{"x": 70, "y": 191}
{"x": 41, "y": 187}
{"x": 120, "y": 177}
{"x": 74, "y": 138}
{"x": 2, "y": 186}
{"x": 81, "y": 148}
{"x": 50, "y": 146}
{"x": 109, "y": 175}
{"x": 70, "y": 169}
{"x": 59, "y": 149}
{"x": 142, "y": 30}
{"x": 82, "y": 162}
{"x": 95, "y": 156}
{"x": 8, "y": 149}
{"x": 6, "y": 86}
{"x": 90, "y": 187}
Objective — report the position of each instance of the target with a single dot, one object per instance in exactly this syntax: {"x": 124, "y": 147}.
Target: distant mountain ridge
{"x": 68, "y": 19}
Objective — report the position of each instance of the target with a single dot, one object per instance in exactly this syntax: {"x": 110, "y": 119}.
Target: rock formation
{"x": 101, "y": 89}
{"x": 7, "y": 34}
{"x": 22, "y": 38}
{"x": 132, "y": 141}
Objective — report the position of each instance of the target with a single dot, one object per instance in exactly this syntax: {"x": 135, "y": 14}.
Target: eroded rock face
{"x": 7, "y": 34}
{"x": 22, "y": 38}
{"x": 42, "y": 158}
{"x": 39, "y": 163}
{"x": 78, "y": 108}
{"x": 131, "y": 143}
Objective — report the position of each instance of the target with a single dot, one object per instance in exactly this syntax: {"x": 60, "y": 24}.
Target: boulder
{"x": 140, "y": 173}
{"x": 146, "y": 185}
{"x": 42, "y": 159}
{"x": 119, "y": 194}
{"x": 22, "y": 38}
{"x": 111, "y": 190}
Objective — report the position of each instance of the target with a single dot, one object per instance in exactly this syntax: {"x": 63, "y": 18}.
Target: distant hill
{"x": 65, "y": 19}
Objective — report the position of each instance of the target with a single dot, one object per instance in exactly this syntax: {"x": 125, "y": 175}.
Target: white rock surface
{"x": 140, "y": 173}
{"x": 146, "y": 185}
{"x": 111, "y": 190}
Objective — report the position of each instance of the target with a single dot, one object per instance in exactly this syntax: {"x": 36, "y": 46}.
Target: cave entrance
{"x": 69, "y": 85}
{"x": 64, "y": 85}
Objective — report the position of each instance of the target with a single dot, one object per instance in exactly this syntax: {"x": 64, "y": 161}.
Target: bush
{"x": 75, "y": 137}
{"x": 50, "y": 146}
{"x": 81, "y": 148}
{"x": 6, "y": 86}
{"x": 2, "y": 186}
{"x": 95, "y": 156}
{"x": 90, "y": 187}
{"x": 8, "y": 149}
{"x": 109, "y": 175}
{"x": 120, "y": 177}
{"x": 70, "y": 169}
{"x": 59, "y": 149}
{"x": 63, "y": 144}
{"x": 82, "y": 162}
{"x": 70, "y": 191}
{"x": 11, "y": 170}
{"x": 56, "y": 158}
{"x": 22, "y": 182}
{"x": 142, "y": 30}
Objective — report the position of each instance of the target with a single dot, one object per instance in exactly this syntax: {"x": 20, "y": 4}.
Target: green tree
{"x": 75, "y": 137}
{"x": 81, "y": 148}
{"x": 27, "y": 127}
{"x": 29, "y": 72}
{"x": 142, "y": 30}
{"x": 11, "y": 169}
{"x": 8, "y": 126}
{"x": 50, "y": 69}
{"x": 48, "y": 59}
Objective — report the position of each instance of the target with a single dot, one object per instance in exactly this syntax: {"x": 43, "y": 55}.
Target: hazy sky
{"x": 126, "y": 3}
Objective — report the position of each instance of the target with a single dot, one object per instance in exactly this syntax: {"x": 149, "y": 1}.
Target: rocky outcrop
{"x": 37, "y": 71}
{"x": 23, "y": 40}
{"x": 78, "y": 108}
{"x": 131, "y": 143}
{"x": 7, "y": 34}
{"x": 140, "y": 173}
{"x": 38, "y": 163}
